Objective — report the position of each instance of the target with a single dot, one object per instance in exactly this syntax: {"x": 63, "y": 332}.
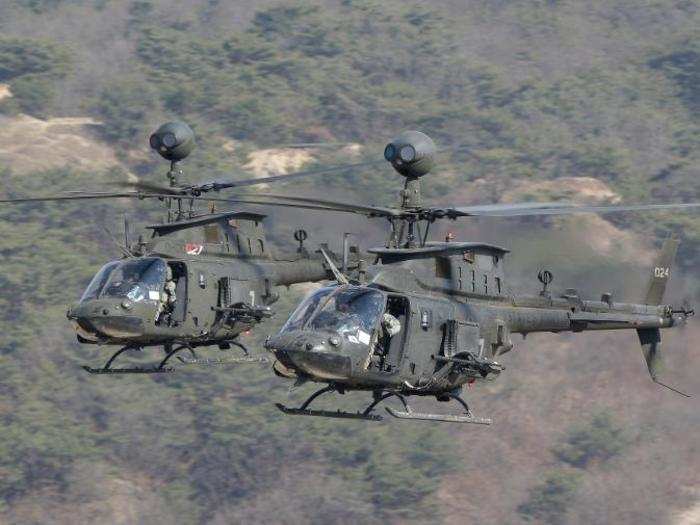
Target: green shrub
{"x": 125, "y": 108}
{"x": 33, "y": 94}
{"x": 601, "y": 439}
{"x": 683, "y": 66}
{"x": 549, "y": 501}
{"x": 32, "y": 68}
{"x": 27, "y": 56}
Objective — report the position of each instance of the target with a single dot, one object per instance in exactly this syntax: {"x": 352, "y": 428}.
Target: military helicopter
{"x": 428, "y": 317}
{"x": 200, "y": 280}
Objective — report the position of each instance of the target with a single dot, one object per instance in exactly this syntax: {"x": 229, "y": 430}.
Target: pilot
{"x": 342, "y": 319}
{"x": 390, "y": 327}
{"x": 130, "y": 276}
{"x": 167, "y": 296}
{"x": 169, "y": 288}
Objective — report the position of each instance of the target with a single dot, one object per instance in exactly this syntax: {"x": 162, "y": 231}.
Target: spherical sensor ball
{"x": 412, "y": 154}
{"x": 173, "y": 141}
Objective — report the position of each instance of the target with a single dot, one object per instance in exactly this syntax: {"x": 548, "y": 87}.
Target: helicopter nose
{"x": 313, "y": 358}
{"x": 70, "y": 314}
{"x": 100, "y": 319}
{"x": 319, "y": 364}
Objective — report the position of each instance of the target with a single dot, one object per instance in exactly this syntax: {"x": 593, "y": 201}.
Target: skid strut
{"x": 161, "y": 368}
{"x": 365, "y": 415}
{"x": 170, "y": 352}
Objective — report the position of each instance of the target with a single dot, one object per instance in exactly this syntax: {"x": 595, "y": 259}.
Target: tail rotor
{"x": 650, "y": 338}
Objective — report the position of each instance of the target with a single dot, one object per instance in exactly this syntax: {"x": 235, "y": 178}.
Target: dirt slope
{"x": 29, "y": 144}
{"x": 277, "y": 161}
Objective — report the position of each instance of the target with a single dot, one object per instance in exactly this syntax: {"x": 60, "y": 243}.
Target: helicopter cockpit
{"x": 130, "y": 297}
{"x": 349, "y": 311}
{"x": 136, "y": 280}
{"x": 342, "y": 328}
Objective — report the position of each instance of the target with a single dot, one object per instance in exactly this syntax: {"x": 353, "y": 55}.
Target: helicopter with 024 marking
{"x": 428, "y": 317}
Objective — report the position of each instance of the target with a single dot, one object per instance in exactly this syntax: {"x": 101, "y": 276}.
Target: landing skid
{"x": 466, "y": 417}
{"x": 170, "y": 352}
{"x": 134, "y": 370}
{"x": 367, "y": 415}
{"x": 222, "y": 362}
{"x": 328, "y": 413}
{"x": 448, "y": 418}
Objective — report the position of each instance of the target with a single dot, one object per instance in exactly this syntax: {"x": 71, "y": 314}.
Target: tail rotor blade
{"x": 650, "y": 339}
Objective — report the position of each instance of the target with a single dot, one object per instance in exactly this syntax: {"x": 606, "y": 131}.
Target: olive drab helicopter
{"x": 428, "y": 317}
{"x": 200, "y": 280}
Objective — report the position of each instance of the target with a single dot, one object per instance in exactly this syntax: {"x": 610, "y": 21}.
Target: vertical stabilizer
{"x": 661, "y": 272}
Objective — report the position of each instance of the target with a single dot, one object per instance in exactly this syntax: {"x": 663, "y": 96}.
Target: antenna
{"x": 126, "y": 232}
{"x": 339, "y": 276}
{"x": 545, "y": 277}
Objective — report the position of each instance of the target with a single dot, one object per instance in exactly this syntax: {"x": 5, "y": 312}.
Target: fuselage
{"x": 214, "y": 299}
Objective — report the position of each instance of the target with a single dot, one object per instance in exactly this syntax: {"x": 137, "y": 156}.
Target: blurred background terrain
{"x": 591, "y": 101}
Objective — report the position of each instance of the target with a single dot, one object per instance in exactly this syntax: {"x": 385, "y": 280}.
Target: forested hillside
{"x": 586, "y": 100}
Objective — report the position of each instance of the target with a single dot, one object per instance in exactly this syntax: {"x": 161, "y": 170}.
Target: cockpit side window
{"x": 305, "y": 310}
{"x": 98, "y": 282}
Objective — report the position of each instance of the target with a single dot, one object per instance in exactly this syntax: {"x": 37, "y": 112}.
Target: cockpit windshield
{"x": 134, "y": 279}
{"x": 349, "y": 311}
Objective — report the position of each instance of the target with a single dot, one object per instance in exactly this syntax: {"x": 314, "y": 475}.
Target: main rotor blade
{"x": 551, "y": 208}
{"x": 216, "y": 186}
{"x": 349, "y": 207}
{"x": 132, "y": 195}
{"x": 150, "y": 187}
{"x": 302, "y": 145}
{"x": 281, "y": 204}
{"x": 261, "y": 202}
{"x": 196, "y": 189}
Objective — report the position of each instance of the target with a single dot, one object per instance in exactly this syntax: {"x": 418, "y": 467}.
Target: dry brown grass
{"x": 5, "y": 91}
